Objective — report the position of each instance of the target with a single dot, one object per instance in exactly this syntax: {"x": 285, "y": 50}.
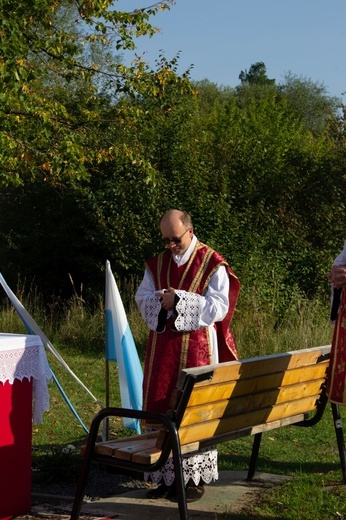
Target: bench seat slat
{"x": 125, "y": 450}
{"x": 132, "y": 438}
{"x": 151, "y": 455}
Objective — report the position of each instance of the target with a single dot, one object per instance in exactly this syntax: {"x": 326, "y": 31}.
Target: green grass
{"x": 308, "y": 455}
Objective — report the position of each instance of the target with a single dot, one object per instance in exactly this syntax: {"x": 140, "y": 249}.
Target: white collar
{"x": 184, "y": 257}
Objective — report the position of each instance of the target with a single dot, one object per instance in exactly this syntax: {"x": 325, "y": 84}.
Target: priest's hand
{"x": 167, "y": 298}
{"x": 337, "y": 276}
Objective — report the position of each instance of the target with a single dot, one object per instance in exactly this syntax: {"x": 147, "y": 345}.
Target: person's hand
{"x": 337, "y": 276}
{"x": 167, "y": 298}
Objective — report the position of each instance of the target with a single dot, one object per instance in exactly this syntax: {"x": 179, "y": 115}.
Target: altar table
{"x": 24, "y": 396}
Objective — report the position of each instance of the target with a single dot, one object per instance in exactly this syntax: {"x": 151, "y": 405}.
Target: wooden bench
{"x": 219, "y": 403}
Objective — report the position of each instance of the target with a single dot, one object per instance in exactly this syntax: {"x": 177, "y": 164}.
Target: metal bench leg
{"x": 254, "y": 455}
{"x": 339, "y": 438}
{"x": 179, "y": 477}
{"x": 84, "y": 473}
{"x": 82, "y": 482}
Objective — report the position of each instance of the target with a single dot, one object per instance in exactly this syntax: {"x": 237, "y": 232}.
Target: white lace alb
{"x": 23, "y": 356}
{"x": 199, "y": 466}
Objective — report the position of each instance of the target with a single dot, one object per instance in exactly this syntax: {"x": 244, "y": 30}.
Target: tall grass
{"x": 31, "y": 299}
{"x": 259, "y": 327}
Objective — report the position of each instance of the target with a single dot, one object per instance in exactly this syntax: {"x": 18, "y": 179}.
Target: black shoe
{"x": 194, "y": 493}
{"x": 162, "y": 491}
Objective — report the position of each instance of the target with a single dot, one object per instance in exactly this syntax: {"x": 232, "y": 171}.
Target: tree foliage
{"x": 46, "y": 44}
{"x": 310, "y": 102}
{"x": 256, "y": 75}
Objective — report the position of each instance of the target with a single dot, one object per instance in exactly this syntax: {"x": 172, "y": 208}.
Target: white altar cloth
{"x": 23, "y": 356}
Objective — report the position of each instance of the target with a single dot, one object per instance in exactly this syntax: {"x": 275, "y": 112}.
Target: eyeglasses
{"x": 176, "y": 240}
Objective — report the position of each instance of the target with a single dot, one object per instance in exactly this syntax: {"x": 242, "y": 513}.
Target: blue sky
{"x": 220, "y": 38}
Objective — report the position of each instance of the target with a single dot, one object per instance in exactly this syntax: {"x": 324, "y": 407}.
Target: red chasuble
{"x": 336, "y": 386}
{"x": 170, "y": 351}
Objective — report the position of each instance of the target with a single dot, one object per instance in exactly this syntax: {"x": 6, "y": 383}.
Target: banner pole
{"x": 107, "y": 400}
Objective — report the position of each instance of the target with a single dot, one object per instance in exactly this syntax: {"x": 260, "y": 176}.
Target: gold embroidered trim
{"x": 159, "y": 270}
{"x": 199, "y": 275}
{"x": 185, "y": 340}
{"x": 152, "y": 354}
{"x": 201, "y": 270}
{"x": 206, "y": 283}
{"x": 209, "y": 344}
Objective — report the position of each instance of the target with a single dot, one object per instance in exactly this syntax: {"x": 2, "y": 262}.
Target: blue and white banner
{"x": 120, "y": 347}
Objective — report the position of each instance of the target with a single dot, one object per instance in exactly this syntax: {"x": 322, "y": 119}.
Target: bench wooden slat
{"x": 208, "y": 429}
{"x": 244, "y": 404}
{"x": 146, "y": 456}
{"x": 264, "y": 365}
{"x": 218, "y": 391}
{"x": 125, "y": 450}
{"x": 252, "y": 430}
{"x": 132, "y": 438}
{"x": 150, "y": 456}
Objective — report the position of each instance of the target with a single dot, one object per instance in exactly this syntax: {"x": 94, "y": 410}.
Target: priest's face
{"x": 175, "y": 235}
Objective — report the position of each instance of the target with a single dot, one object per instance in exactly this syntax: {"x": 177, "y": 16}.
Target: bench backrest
{"x": 231, "y": 399}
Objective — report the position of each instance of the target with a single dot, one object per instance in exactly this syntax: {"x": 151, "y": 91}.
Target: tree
{"x": 310, "y": 102}
{"x": 41, "y": 50}
{"x": 257, "y": 75}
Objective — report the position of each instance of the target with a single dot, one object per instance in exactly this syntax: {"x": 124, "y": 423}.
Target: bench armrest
{"x": 113, "y": 411}
{"x": 170, "y": 440}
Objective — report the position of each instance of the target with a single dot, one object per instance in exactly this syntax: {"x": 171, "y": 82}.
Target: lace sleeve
{"x": 152, "y": 310}
{"x": 188, "y": 310}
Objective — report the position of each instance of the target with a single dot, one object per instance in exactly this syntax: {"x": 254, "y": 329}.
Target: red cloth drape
{"x": 336, "y": 386}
